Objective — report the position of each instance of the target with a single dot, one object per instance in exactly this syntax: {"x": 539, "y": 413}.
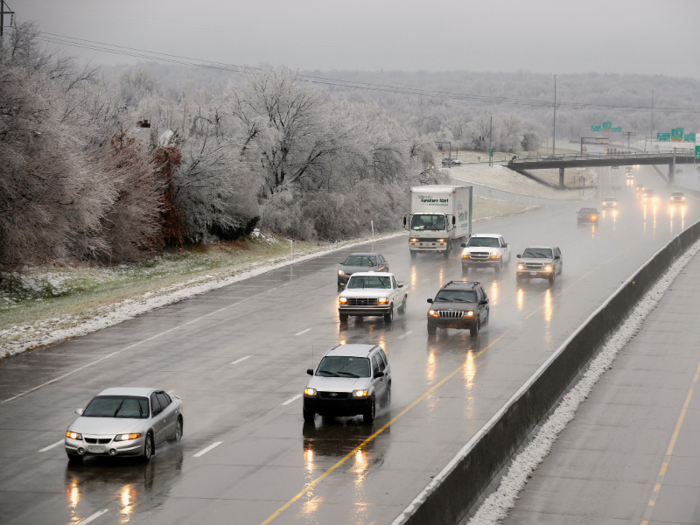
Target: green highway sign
{"x": 617, "y": 129}
{"x": 662, "y": 137}
{"x": 689, "y": 137}
{"x": 677, "y": 134}
{"x": 607, "y": 126}
{"x": 595, "y": 128}
{"x": 697, "y": 152}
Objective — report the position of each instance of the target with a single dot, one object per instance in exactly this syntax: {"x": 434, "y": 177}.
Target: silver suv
{"x": 348, "y": 381}
{"x": 543, "y": 262}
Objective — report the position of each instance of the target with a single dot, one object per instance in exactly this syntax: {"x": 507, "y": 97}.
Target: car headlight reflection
{"x": 311, "y": 392}
{"x": 73, "y": 435}
{"x": 127, "y": 437}
{"x": 360, "y": 393}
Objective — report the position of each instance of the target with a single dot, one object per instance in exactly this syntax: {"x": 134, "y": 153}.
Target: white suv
{"x": 485, "y": 250}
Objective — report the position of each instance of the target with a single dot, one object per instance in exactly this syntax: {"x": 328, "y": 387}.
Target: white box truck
{"x": 440, "y": 218}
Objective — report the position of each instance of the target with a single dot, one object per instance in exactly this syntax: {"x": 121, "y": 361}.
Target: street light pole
{"x": 554, "y": 133}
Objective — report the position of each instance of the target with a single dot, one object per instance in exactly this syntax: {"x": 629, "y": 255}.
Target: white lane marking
{"x": 304, "y": 331}
{"x": 292, "y": 400}
{"x": 241, "y": 359}
{"x": 51, "y": 446}
{"x": 202, "y": 452}
{"x": 425, "y": 280}
{"x": 405, "y": 335}
{"x": 93, "y": 517}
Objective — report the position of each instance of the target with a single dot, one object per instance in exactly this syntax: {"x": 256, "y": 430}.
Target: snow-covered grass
{"x": 496, "y": 507}
{"x": 501, "y": 178}
{"x": 47, "y": 305}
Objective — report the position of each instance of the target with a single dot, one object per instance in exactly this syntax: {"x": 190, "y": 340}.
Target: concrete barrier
{"x": 475, "y": 471}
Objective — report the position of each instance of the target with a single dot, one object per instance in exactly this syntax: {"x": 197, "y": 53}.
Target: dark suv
{"x": 459, "y": 304}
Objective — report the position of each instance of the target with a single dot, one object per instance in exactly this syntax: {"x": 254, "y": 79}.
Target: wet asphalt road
{"x": 237, "y": 357}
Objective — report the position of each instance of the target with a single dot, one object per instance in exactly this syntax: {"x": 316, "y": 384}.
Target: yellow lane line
{"x": 311, "y": 485}
{"x": 669, "y": 452}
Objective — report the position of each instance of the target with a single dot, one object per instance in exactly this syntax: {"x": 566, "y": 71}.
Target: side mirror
{"x": 463, "y": 245}
{"x": 310, "y": 371}
{"x": 430, "y": 300}
{"x": 400, "y": 285}
{"x": 454, "y": 220}
{"x": 518, "y": 256}
{"x": 485, "y": 301}
{"x": 379, "y": 374}
{"x": 556, "y": 257}
{"x": 79, "y": 411}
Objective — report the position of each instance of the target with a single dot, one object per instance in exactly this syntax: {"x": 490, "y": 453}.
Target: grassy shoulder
{"x": 45, "y": 305}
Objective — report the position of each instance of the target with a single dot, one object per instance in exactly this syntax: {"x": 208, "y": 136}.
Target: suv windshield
{"x": 360, "y": 260}
{"x": 343, "y": 366}
{"x": 538, "y": 252}
{"x": 458, "y": 296}
{"x": 488, "y": 242}
{"x": 428, "y": 222}
{"x": 369, "y": 281}
{"x": 118, "y": 406}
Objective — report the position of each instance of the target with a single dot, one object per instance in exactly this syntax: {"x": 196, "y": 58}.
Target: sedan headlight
{"x": 341, "y": 272}
{"x": 342, "y": 300}
{"x": 521, "y": 267}
{"x": 468, "y": 314}
{"x": 433, "y": 313}
{"x": 360, "y": 393}
{"x": 383, "y": 300}
{"x": 73, "y": 435}
{"x": 311, "y": 392}
{"x": 127, "y": 437}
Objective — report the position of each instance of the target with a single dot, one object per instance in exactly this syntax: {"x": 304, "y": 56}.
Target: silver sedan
{"x": 124, "y": 422}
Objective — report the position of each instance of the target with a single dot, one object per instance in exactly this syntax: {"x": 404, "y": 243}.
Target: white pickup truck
{"x": 485, "y": 250}
{"x": 372, "y": 293}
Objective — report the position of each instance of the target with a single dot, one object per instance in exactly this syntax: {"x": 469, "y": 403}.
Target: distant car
{"x": 614, "y": 168}
{"x": 650, "y": 196}
{"x": 459, "y": 304}
{"x": 451, "y": 162}
{"x": 677, "y": 197}
{"x": 640, "y": 188}
{"x": 610, "y": 202}
{"x": 372, "y": 294}
{"x": 485, "y": 250}
{"x": 539, "y": 262}
{"x": 349, "y": 380}
{"x": 361, "y": 262}
{"x": 588, "y": 216}
{"x": 630, "y": 176}
{"x": 124, "y": 422}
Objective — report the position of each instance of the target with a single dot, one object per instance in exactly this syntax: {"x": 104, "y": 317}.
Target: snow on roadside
{"x": 44, "y": 333}
{"x": 496, "y": 507}
{"x": 501, "y": 178}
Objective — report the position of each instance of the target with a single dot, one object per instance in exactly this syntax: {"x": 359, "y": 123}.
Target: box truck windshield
{"x": 428, "y": 222}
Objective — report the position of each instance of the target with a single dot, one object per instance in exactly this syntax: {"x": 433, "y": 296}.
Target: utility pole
{"x": 652, "y": 112}
{"x": 490, "y": 135}
{"x": 554, "y": 133}
{"x": 5, "y": 10}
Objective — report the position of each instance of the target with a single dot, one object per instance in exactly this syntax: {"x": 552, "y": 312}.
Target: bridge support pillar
{"x": 561, "y": 178}
{"x": 672, "y": 171}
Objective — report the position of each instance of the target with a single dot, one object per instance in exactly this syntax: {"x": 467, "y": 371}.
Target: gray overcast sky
{"x": 548, "y": 36}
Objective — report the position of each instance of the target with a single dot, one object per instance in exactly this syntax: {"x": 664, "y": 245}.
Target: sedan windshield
{"x": 428, "y": 222}
{"x": 486, "y": 242}
{"x": 588, "y": 210}
{"x": 457, "y": 296}
{"x": 118, "y": 406}
{"x": 369, "y": 281}
{"x": 343, "y": 366}
{"x": 360, "y": 260}
{"x": 538, "y": 253}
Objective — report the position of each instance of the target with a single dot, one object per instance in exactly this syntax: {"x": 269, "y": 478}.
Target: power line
{"x": 343, "y": 83}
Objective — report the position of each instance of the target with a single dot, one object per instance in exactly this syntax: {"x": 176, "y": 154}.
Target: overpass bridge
{"x": 522, "y": 165}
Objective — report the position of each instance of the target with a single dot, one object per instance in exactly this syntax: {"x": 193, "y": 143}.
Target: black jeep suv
{"x": 459, "y": 304}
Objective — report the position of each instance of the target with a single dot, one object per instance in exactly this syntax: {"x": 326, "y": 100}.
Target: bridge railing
{"x": 588, "y": 156}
